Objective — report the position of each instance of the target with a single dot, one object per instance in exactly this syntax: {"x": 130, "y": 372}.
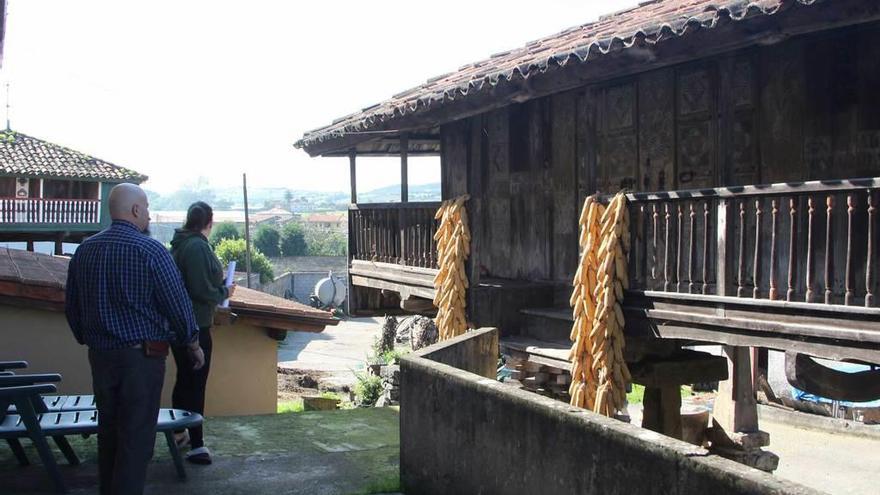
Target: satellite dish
{"x": 330, "y": 291}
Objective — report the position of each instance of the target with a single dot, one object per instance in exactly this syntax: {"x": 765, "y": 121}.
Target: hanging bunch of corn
{"x": 599, "y": 372}
{"x": 583, "y": 378}
{"x": 453, "y": 248}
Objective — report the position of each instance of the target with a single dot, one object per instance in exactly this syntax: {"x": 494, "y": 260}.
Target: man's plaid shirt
{"x": 123, "y": 288}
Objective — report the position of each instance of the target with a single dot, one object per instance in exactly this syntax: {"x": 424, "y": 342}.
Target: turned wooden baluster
{"x": 666, "y": 251}
{"x": 829, "y": 250}
{"x": 741, "y": 261}
{"x": 678, "y": 249}
{"x": 643, "y": 247}
{"x": 811, "y": 209}
{"x": 850, "y": 209}
{"x": 656, "y": 222}
{"x": 774, "y": 214}
{"x": 691, "y": 248}
{"x": 869, "y": 265}
{"x": 705, "y": 289}
{"x": 756, "y": 268}
{"x": 792, "y": 247}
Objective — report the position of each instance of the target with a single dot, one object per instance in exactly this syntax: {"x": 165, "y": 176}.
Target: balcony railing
{"x": 50, "y": 211}
{"x": 812, "y": 242}
{"x": 400, "y": 233}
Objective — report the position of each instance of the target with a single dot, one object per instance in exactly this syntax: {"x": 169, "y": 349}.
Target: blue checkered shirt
{"x": 123, "y": 288}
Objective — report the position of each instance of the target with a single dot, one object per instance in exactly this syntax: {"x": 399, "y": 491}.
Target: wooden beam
{"x": 352, "y": 172}
{"x": 404, "y": 168}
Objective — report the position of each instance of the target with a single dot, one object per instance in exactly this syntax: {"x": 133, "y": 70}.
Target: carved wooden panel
{"x": 618, "y": 152}
{"x": 743, "y": 83}
{"x": 694, "y": 92}
{"x": 620, "y": 105}
{"x": 744, "y": 166}
{"x": 696, "y": 155}
{"x": 818, "y": 155}
{"x": 696, "y": 128}
{"x": 656, "y": 130}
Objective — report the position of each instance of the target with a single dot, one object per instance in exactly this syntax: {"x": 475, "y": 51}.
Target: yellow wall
{"x": 243, "y": 376}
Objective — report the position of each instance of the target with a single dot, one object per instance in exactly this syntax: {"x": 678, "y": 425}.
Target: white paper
{"x": 230, "y": 278}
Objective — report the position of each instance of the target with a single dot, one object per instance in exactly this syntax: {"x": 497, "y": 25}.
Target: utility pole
{"x": 247, "y": 232}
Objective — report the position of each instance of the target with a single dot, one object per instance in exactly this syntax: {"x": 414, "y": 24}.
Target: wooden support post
{"x": 736, "y": 410}
{"x": 352, "y": 156}
{"x": 662, "y": 410}
{"x": 404, "y": 171}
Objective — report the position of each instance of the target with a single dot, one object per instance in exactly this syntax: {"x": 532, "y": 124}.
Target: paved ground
{"x": 339, "y": 351}
{"x": 835, "y": 463}
{"x": 315, "y": 453}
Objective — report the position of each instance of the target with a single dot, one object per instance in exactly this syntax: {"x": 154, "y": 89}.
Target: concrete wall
{"x": 300, "y": 285}
{"x": 243, "y": 377}
{"x": 475, "y": 352}
{"x": 462, "y": 433}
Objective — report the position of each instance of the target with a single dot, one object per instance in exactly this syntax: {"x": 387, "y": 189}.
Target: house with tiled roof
{"x": 246, "y": 335}
{"x": 53, "y": 193}
{"x": 746, "y": 136}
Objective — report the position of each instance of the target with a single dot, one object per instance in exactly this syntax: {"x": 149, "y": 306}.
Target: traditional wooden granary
{"x": 689, "y": 105}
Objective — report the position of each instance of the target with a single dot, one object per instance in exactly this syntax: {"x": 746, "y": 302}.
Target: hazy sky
{"x": 178, "y": 89}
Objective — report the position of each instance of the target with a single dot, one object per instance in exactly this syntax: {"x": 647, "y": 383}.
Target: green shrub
{"x": 367, "y": 389}
{"x": 224, "y": 230}
{"x": 234, "y": 249}
{"x": 267, "y": 240}
{"x": 293, "y": 240}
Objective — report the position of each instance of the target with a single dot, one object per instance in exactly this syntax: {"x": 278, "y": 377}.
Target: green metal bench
{"x": 33, "y": 420}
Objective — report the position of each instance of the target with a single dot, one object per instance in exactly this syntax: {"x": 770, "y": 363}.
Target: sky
{"x": 181, "y": 89}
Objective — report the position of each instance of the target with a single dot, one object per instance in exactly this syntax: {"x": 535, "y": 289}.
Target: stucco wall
{"x": 243, "y": 373}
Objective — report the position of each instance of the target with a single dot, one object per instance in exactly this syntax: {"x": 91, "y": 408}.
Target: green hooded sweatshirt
{"x": 202, "y": 273}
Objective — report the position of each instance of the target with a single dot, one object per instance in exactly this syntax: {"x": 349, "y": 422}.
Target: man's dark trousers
{"x": 128, "y": 387}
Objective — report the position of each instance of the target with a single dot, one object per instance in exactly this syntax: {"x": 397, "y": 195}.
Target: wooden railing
{"x": 50, "y": 211}
{"x": 401, "y": 233}
{"x": 812, "y": 242}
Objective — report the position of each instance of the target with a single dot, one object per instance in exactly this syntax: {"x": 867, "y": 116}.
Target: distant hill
{"x": 301, "y": 201}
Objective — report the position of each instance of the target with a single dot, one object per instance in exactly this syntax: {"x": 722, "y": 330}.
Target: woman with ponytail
{"x": 203, "y": 276}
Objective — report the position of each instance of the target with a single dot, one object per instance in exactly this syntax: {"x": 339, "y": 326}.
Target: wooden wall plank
{"x": 562, "y": 188}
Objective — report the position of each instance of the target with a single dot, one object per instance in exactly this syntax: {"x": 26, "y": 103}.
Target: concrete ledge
{"x": 816, "y": 422}
{"x": 463, "y": 433}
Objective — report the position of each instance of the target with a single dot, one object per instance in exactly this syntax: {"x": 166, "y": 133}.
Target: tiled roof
{"x": 41, "y": 278}
{"x": 651, "y": 22}
{"x": 248, "y": 299}
{"x": 25, "y": 156}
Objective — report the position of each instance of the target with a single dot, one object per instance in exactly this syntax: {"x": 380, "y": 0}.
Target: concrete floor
{"x": 339, "y": 351}
{"x": 321, "y": 453}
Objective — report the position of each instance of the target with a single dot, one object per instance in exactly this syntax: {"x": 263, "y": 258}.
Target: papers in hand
{"x": 230, "y": 278}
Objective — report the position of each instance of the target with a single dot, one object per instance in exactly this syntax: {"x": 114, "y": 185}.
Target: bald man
{"x": 126, "y": 302}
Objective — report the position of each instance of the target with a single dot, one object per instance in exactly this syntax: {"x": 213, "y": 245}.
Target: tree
{"x": 234, "y": 249}
{"x": 288, "y": 198}
{"x": 224, "y": 230}
{"x": 267, "y": 240}
{"x": 325, "y": 243}
{"x": 293, "y": 240}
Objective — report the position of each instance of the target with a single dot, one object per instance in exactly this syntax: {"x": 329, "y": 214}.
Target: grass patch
{"x": 388, "y": 484}
{"x": 637, "y": 396}
{"x": 290, "y": 406}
